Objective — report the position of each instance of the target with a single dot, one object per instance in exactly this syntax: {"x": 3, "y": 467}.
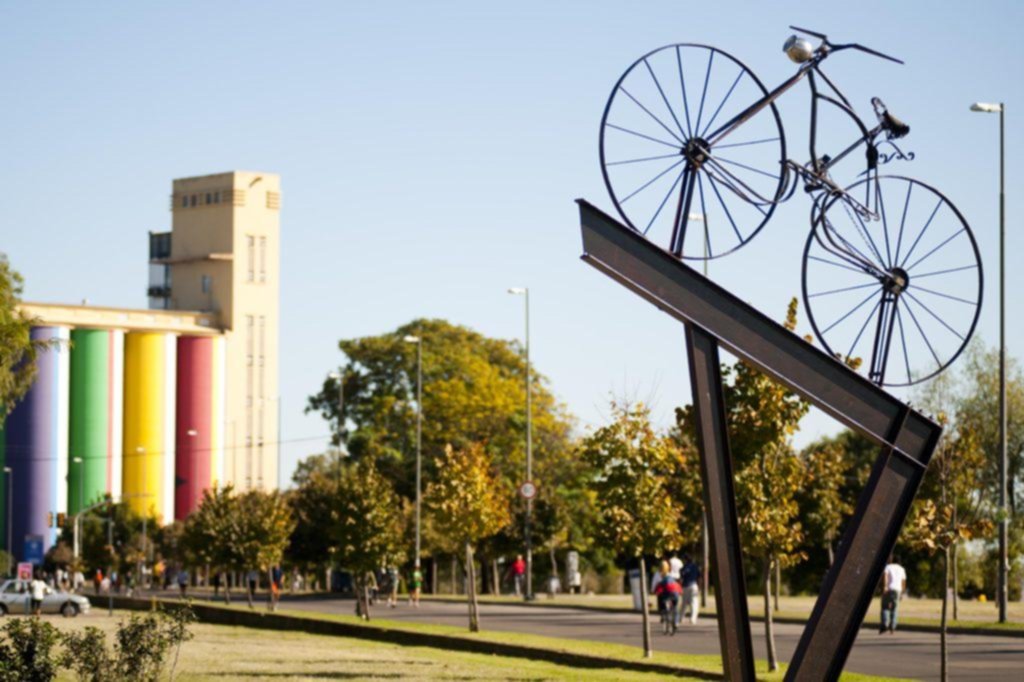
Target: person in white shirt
{"x": 894, "y": 584}
{"x": 675, "y": 565}
{"x": 38, "y": 590}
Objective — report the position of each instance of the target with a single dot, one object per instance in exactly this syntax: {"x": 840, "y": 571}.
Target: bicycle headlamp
{"x": 798, "y": 49}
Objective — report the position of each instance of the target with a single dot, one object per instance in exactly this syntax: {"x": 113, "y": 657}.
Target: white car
{"x": 16, "y": 598}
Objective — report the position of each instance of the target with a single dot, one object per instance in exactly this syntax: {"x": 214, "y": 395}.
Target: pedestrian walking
{"x": 518, "y": 571}
{"x": 392, "y": 586}
{"x": 894, "y": 583}
{"x": 38, "y": 589}
{"x": 183, "y": 582}
{"x": 253, "y": 583}
{"x": 689, "y": 576}
{"x": 98, "y": 580}
{"x": 675, "y": 565}
{"x": 416, "y": 585}
{"x": 276, "y": 580}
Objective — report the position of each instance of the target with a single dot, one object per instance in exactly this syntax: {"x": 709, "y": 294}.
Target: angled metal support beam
{"x": 720, "y": 501}
{"x": 907, "y": 437}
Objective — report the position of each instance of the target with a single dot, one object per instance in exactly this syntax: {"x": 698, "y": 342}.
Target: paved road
{"x": 904, "y": 654}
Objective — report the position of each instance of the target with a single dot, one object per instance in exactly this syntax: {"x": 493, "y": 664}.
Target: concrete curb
{"x": 217, "y": 615}
{"x": 907, "y": 627}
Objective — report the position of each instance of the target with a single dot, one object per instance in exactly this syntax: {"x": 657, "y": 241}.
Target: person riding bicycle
{"x": 669, "y": 592}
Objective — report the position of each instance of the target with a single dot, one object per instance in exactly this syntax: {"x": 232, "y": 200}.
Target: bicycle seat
{"x": 895, "y": 127}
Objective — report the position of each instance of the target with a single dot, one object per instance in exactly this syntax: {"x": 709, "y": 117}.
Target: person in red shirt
{"x": 668, "y": 591}
{"x": 518, "y": 570}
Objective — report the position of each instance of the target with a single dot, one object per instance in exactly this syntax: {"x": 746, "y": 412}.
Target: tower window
{"x": 209, "y": 198}
{"x": 206, "y": 284}
{"x": 184, "y": 201}
{"x": 263, "y": 259}
{"x": 194, "y": 200}
{"x": 250, "y": 243}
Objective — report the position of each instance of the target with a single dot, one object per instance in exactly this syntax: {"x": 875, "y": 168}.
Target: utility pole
{"x": 418, "y": 340}
{"x": 1002, "y": 587}
{"x": 525, "y": 293}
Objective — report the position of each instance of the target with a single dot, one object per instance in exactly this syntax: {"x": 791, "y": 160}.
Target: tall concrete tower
{"x": 222, "y": 256}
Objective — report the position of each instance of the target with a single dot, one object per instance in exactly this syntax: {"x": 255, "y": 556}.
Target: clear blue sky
{"x": 430, "y": 153}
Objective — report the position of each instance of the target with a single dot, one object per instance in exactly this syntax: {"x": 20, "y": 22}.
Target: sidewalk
{"x": 916, "y": 615}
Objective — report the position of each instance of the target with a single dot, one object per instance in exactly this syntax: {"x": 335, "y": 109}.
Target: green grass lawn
{"x": 234, "y": 653}
{"x": 608, "y": 651}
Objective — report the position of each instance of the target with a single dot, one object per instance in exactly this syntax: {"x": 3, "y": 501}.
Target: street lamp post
{"x": 525, "y": 293}
{"x": 81, "y": 504}
{"x": 1004, "y": 564}
{"x": 418, "y": 340}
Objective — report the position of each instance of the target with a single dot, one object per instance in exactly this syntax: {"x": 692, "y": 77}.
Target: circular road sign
{"x": 528, "y": 490}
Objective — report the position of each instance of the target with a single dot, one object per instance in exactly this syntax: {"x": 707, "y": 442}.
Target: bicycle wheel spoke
{"x": 943, "y": 272}
{"x": 918, "y": 287}
{"x": 885, "y": 225}
{"x": 663, "y": 201}
{"x": 704, "y": 94}
{"x": 839, "y": 291}
{"x": 938, "y": 205}
{"x": 722, "y": 104}
{"x": 664, "y": 99}
{"x": 923, "y": 335}
{"x": 646, "y": 137}
{"x": 903, "y": 340}
{"x": 682, "y": 86}
{"x": 725, "y": 208}
{"x": 948, "y": 240}
{"x": 682, "y": 213}
{"x": 903, "y": 220}
{"x": 938, "y": 319}
{"x": 744, "y": 144}
{"x": 704, "y": 211}
{"x": 839, "y": 265}
{"x": 648, "y": 112}
{"x": 864, "y": 326}
{"x": 646, "y": 158}
{"x": 749, "y": 168}
{"x": 851, "y": 312}
{"x": 650, "y": 182}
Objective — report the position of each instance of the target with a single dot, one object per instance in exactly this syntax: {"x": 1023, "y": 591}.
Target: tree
{"x": 633, "y": 472}
{"x": 210, "y": 533}
{"x": 262, "y": 526}
{"x": 17, "y": 348}
{"x": 762, "y": 417}
{"x": 310, "y": 546}
{"x": 823, "y": 504}
{"x": 473, "y": 393}
{"x": 467, "y": 501}
{"x": 366, "y": 523}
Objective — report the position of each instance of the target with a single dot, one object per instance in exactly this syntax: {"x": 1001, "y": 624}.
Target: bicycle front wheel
{"x": 686, "y": 162}
{"x": 902, "y": 293}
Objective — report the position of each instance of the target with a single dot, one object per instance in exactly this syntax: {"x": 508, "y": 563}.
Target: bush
{"x": 28, "y": 655}
{"x": 141, "y": 647}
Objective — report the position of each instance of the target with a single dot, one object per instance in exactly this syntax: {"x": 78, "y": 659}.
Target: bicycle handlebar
{"x": 845, "y": 46}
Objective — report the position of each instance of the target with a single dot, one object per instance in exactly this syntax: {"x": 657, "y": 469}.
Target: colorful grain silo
{"x": 37, "y": 448}
{"x": 149, "y": 408}
{"x": 94, "y": 452}
{"x": 199, "y": 449}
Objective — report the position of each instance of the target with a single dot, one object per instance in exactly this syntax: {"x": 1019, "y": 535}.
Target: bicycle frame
{"x": 816, "y": 173}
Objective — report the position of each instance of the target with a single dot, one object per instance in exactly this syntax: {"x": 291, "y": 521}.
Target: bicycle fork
{"x": 886, "y": 323}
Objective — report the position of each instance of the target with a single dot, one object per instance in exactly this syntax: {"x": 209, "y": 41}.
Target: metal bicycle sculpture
{"x": 893, "y": 255}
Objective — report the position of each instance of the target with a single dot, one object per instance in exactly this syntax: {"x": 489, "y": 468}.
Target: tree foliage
{"x": 468, "y": 503}
{"x": 17, "y": 349}
{"x": 473, "y": 393}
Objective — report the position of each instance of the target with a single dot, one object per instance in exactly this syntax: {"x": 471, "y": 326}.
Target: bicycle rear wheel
{"x": 903, "y": 293}
{"x": 670, "y": 176}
